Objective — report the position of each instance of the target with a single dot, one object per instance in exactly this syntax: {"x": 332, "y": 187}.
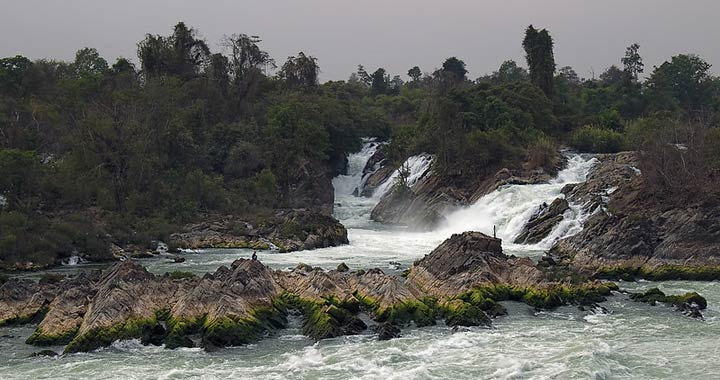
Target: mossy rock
{"x": 660, "y": 273}
{"x": 460, "y": 313}
{"x": 18, "y": 320}
{"x": 40, "y": 338}
{"x": 329, "y": 319}
{"x": 682, "y": 301}
{"x": 137, "y": 328}
{"x": 422, "y": 312}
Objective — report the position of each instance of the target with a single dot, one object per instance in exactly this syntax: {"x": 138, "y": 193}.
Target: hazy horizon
{"x": 342, "y": 33}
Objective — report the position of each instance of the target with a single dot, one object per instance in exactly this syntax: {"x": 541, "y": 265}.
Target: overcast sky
{"x": 395, "y": 34}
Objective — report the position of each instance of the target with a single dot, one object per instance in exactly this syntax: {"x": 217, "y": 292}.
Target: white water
{"x": 417, "y": 167}
{"x": 634, "y": 341}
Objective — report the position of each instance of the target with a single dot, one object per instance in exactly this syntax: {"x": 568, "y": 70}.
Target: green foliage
{"x": 661, "y": 273}
{"x": 597, "y": 140}
{"x": 681, "y": 301}
{"x": 538, "y": 45}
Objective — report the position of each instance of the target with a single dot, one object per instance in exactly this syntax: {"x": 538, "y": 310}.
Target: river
{"x": 632, "y": 341}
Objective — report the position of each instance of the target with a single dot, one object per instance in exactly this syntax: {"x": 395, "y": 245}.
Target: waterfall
{"x": 417, "y": 166}
{"x": 511, "y": 206}
{"x": 347, "y": 184}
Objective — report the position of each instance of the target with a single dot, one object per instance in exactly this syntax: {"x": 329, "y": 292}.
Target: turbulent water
{"x": 633, "y": 341}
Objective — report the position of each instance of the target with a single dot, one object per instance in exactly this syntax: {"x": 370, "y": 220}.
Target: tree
{"x": 300, "y": 71}
{"x": 88, "y": 62}
{"x": 182, "y": 54}
{"x": 246, "y": 55}
{"x": 612, "y": 76}
{"x": 538, "y": 47}
{"x": 683, "y": 82}
{"x": 415, "y": 74}
{"x": 632, "y": 62}
{"x": 454, "y": 69}
{"x": 380, "y": 82}
{"x": 509, "y": 72}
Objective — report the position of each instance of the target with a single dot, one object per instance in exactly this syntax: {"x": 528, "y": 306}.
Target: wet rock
{"x": 632, "y": 233}
{"x": 178, "y": 259}
{"x": 49, "y": 353}
{"x": 542, "y": 222}
{"x": 690, "y": 304}
{"x": 387, "y": 331}
{"x": 467, "y": 260}
{"x": 342, "y": 267}
{"x": 286, "y": 230}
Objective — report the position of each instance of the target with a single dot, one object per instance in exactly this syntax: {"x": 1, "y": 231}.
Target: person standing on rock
{"x": 254, "y": 255}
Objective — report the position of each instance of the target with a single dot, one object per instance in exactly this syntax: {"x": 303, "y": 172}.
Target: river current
{"x": 631, "y": 341}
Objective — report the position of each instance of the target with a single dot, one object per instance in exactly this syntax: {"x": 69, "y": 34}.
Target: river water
{"x": 632, "y": 341}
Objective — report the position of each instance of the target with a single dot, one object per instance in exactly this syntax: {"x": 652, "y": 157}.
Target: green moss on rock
{"x": 136, "y": 328}
{"x": 660, "y": 273}
{"x": 329, "y": 319}
{"x": 655, "y": 295}
{"x": 41, "y": 338}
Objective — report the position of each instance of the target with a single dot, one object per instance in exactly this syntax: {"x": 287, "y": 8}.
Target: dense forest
{"x": 93, "y": 153}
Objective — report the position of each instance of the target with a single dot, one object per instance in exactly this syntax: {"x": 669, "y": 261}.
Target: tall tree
{"x": 300, "y": 71}
{"x": 380, "y": 82}
{"x": 246, "y": 55}
{"x": 454, "y": 68}
{"x": 632, "y": 62}
{"x": 415, "y": 74}
{"x": 538, "y": 45}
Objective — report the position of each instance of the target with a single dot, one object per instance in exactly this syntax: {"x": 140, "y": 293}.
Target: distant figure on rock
{"x": 254, "y": 255}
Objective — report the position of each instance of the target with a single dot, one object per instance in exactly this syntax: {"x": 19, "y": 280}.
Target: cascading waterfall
{"x": 508, "y": 208}
{"x": 417, "y": 167}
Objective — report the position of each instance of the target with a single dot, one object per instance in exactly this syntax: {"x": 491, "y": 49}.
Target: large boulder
{"x": 468, "y": 260}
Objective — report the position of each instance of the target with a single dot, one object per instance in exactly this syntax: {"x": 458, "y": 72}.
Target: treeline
{"x": 520, "y": 116}
{"x": 93, "y": 152}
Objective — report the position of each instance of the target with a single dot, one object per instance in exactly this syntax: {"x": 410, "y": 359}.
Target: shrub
{"x": 597, "y": 140}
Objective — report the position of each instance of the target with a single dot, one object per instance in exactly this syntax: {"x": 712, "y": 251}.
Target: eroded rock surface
{"x": 631, "y": 233}
{"x": 291, "y": 230}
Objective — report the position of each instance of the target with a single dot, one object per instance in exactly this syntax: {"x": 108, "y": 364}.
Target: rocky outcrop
{"x": 469, "y": 260}
{"x": 542, "y": 222}
{"x": 634, "y": 234}
{"x": 287, "y": 231}
{"x": 461, "y": 282}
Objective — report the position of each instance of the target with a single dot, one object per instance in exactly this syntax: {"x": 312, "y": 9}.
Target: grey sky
{"x": 395, "y": 34}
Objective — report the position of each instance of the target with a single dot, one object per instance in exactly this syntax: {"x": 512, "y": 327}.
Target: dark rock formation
{"x": 542, "y": 223}
{"x": 634, "y": 234}
{"x": 468, "y": 260}
{"x": 387, "y": 331}
{"x": 291, "y": 230}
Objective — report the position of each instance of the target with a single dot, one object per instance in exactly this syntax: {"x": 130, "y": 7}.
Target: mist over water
{"x": 633, "y": 341}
